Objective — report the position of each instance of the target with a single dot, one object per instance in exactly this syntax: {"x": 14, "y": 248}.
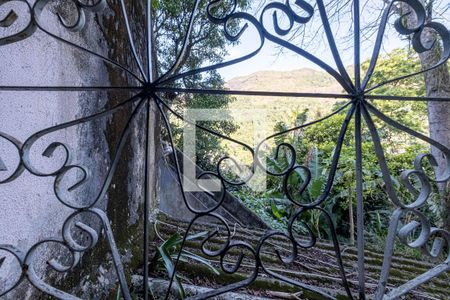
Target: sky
{"x": 269, "y": 58}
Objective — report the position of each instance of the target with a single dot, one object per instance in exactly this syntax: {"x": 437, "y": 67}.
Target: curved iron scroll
{"x": 149, "y": 90}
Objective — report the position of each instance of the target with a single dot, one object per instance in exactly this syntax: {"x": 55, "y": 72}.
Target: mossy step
{"x": 401, "y": 269}
{"x": 158, "y": 290}
{"x": 259, "y": 284}
{"x": 349, "y": 256}
{"x": 319, "y": 273}
{"x": 398, "y": 276}
{"x": 264, "y": 284}
{"x": 254, "y": 235}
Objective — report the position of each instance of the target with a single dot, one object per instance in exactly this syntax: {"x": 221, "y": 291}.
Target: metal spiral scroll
{"x": 149, "y": 90}
{"x": 70, "y": 243}
{"x": 35, "y": 12}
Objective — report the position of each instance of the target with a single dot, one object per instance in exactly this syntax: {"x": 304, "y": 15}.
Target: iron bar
{"x": 180, "y": 183}
{"x": 306, "y": 125}
{"x": 332, "y": 43}
{"x": 359, "y": 202}
{"x": 184, "y": 47}
{"x": 149, "y": 30}
{"x": 357, "y": 44}
{"x": 286, "y": 9}
{"x": 131, "y": 40}
{"x": 377, "y": 46}
{"x": 68, "y": 88}
{"x": 390, "y": 190}
{"x": 148, "y": 190}
{"x": 358, "y": 153}
{"x": 105, "y": 59}
{"x": 251, "y": 93}
{"x": 150, "y": 149}
{"x": 219, "y": 135}
{"x": 336, "y": 157}
{"x": 403, "y": 98}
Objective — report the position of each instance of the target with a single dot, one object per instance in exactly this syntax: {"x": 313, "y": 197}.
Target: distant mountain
{"x": 302, "y": 80}
{"x": 278, "y": 109}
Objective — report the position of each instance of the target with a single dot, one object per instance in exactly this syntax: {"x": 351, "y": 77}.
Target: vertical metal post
{"x": 149, "y": 42}
{"x": 359, "y": 203}
{"x": 357, "y": 44}
{"x": 148, "y": 195}
{"x": 358, "y": 149}
{"x": 149, "y": 151}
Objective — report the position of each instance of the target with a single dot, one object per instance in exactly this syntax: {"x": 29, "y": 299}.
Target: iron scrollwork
{"x": 35, "y": 11}
{"x": 150, "y": 90}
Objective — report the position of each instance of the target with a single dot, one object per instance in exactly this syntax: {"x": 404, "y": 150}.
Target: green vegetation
{"x": 277, "y": 109}
{"x": 208, "y": 47}
{"x": 168, "y": 252}
{"x": 315, "y": 146}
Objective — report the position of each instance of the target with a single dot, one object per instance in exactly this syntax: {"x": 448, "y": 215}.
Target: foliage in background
{"x": 410, "y": 113}
{"x": 206, "y": 45}
{"x": 168, "y": 251}
{"x": 315, "y": 146}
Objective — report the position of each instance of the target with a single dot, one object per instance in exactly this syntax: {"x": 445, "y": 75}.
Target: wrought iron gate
{"x": 358, "y": 95}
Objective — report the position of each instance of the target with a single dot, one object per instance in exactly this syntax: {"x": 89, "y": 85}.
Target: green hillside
{"x": 279, "y": 108}
{"x": 303, "y": 80}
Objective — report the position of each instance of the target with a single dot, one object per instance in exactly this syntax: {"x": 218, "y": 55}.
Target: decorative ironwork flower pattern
{"x": 150, "y": 90}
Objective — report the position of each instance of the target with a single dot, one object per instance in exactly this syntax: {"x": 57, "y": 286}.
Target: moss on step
{"x": 404, "y": 267}
{"x": 260, "y": 284}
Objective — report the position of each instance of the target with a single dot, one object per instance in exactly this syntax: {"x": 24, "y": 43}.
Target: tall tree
{"x": 437, "y": 82}
{"x": 206, "y": 44}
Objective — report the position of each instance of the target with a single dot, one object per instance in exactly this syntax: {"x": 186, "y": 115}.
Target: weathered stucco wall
{"x": 29, "y": 210}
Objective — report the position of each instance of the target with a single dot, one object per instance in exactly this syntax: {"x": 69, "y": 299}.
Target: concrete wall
{"x": 29, "y": 210}
{"x": 172, "y": 202}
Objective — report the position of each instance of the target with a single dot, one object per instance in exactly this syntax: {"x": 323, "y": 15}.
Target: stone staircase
{"x": 172, "y": 204}
{"x": 316, "y": 267}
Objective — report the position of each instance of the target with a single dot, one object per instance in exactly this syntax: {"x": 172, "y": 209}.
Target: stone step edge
{"x": 158, "y": 289}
